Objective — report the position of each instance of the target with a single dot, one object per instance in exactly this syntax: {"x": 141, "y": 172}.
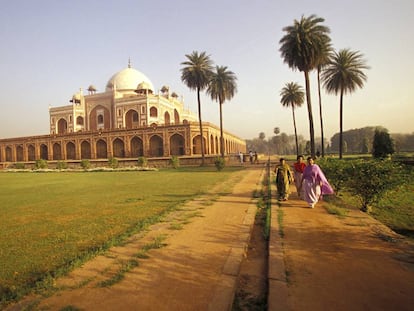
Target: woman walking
{"x": 283, "y": 178}
{"x": 299, "y": 166}
{"x": 314, "y": 183}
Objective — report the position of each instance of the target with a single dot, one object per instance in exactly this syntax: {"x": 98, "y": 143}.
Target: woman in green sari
{"x": 284, "y": 177}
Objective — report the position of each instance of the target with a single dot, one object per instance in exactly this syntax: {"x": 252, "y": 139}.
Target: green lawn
{"x": 51, "y": 220}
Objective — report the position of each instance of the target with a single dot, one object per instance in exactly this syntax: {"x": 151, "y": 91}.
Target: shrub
{"x": 337, "y": 172}
{"x": 85, "y": 164}
{"x": 371, "y": 180}
{"x": 19, "y": 165}
{"x": 40, "y": 164}
{"x": 142, "y": 161}
{"x": 175, "y": 162}
{"x": 113, "y": 162}
{"x": 220, "y": 163}
{"x": 61, "y": 165}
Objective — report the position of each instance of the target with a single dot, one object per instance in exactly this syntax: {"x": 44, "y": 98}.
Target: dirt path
{"x": 195, "y": 268}
{"x": 321, "y": 262}
{"x": 332, "y": 263}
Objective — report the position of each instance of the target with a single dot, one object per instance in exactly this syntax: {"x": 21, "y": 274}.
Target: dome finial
{"x": 129, "y": 62}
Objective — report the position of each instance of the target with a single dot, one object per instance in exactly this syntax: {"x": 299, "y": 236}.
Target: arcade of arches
{"x": 162, "y": 141}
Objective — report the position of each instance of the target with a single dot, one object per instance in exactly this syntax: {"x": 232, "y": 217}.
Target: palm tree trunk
{"x": 341, "y": 139}
{"x": 221, "y": 130}
{"x": 309, "y": 103}
{"x": 296, "y": 133}
{"x": 320, "y": 114}
{"x": 201, "y": 127}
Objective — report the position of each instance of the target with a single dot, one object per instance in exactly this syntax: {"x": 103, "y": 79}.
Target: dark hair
{"x": 308, "y": 158}
{"x": 282, "y": 159}
{"x": 299, "y": 156}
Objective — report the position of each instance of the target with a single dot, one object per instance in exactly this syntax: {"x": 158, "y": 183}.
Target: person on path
{"x": 299, "y": 166}
{"x": 284, "y": 176}
{"x": 241, "y": 157}
{"x": 314, "y": 183}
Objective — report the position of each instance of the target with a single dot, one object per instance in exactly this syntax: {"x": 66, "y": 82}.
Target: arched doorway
{"x": 156, "y": 146}
{"x": 131, "y": 119}
{"x": 197, "y": 145}
{"x": 85, "y": 150}
{"x": 167, "y": 120}
{"x": 31, "y": 154}
{"x": 9, "y": 154}
{"x": 176, "y": 117}
{"x": 99, "y": 118}
{"x": 19, "y": 154}
{"x": 57, "y": 151}
{"x": 70, "y": 151}
{"x": 137, "y": 148}
{"x": 177, "y": 145}
{"x": 118, "y": 148}
{"x": 101, "y": 149}
{"x": 62, "y": 126}
{"x": 44, "y": 152}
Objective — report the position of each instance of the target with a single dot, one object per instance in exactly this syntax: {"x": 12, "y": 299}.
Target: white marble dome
{"x": 127, "y": 80}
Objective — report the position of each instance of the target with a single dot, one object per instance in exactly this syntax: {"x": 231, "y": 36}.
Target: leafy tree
{"x": 336, "y": 171}
{"x": 222, "y": 87}
{"x": 292, "y": 95}
{"x": 262, "y": 136}
{"x": 371, "y": 180}
{"x": 196, "y": 74}
{"x": 382, "y": 146}
{"x": 343, "y": 74}
{"x": 301, "y": 47}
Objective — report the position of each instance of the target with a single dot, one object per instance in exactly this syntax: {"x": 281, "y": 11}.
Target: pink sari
{"x": 315, "y": 184}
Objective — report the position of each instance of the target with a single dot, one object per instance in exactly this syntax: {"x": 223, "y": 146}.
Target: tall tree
{"x": 300, "y": 49}
{"x": 383, "y": 144}
{"x": 196, "y": 74}
{"x": 222, "y": 87}
{"x": 323, "y": 60}
{"x": 343, "y": 74}
{"x": 292, "y": 95}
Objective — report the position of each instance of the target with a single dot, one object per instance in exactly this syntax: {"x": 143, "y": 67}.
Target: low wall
{"x": 159, "y": 162}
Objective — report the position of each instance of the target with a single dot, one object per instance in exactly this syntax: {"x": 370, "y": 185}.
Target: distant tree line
{"x": 361, "y": 140}
{"x": 354, "y": 141}
{"x": 280, "y": 144}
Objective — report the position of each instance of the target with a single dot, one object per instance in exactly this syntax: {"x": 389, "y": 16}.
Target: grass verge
{"x": 53, "y": 222}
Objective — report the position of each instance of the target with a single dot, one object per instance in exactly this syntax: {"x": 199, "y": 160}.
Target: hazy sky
{"x": 50, "y": 49}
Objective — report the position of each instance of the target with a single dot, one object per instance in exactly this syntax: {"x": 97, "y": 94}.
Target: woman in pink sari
{"x": 314, "y": 183}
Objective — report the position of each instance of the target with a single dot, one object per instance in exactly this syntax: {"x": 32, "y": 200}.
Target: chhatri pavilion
{"x": 128, "y": 120}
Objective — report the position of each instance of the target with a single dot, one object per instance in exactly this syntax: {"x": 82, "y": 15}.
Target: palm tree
{"x": 325, "y": 53}
{"x": 196, "y": 74}
{"x": 343, "y": 74}
{"x": 222, "y": 87}
{"x": 292, "y": 95}
{"x": 300, "y": 49}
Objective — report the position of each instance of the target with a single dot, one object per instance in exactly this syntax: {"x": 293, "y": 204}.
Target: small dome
{"x": 143, "y": 88}
{"x": 127, "y": 80}
{"x": 92, "y": 88}
{"x": 76, "y": 98}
